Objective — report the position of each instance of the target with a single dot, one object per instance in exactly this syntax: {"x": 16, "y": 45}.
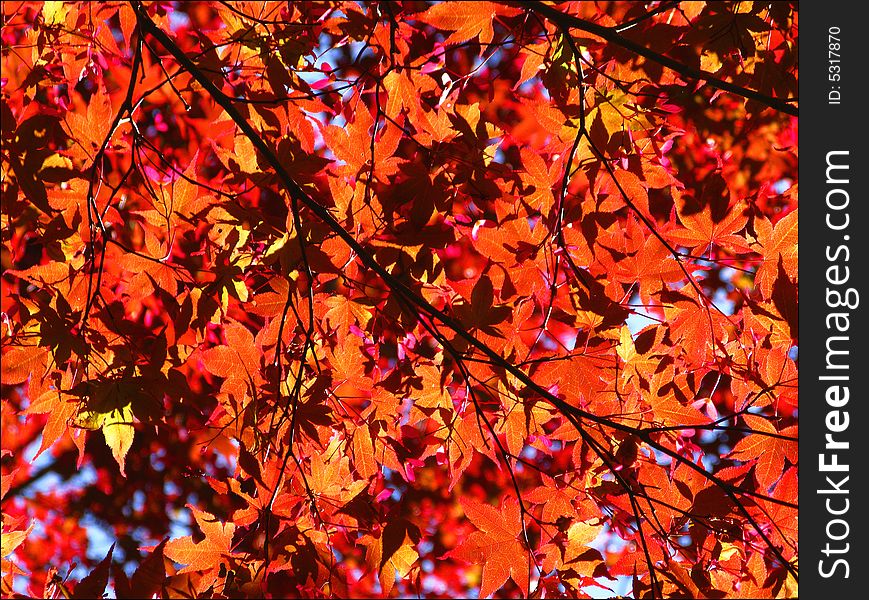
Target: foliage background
{"x": 335, "y": 298}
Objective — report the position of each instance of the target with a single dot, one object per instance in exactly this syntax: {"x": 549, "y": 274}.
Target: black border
{"x": 826, "y": 127}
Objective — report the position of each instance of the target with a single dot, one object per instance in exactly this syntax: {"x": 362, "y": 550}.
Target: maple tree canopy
{"x": 399, "y": 299}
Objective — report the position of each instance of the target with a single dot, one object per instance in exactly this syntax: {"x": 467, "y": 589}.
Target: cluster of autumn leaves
{"x": 188, "y": 335}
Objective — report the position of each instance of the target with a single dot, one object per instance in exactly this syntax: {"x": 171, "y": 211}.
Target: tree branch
{"x": 391, "y": 280}
{"x": 573, "y": 414}
{"x": 565, "y": 20}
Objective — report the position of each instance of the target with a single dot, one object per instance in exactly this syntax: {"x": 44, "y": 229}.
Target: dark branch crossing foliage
{"x": 337, "y": 299}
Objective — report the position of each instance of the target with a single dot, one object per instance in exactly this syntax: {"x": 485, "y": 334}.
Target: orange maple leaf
{"x": 769, "y": 451}
{"x": 701, "y": 230}
{"x": 779, "y": 244}
{"x": 496, "y": 545}
{"x": 466, "y": 20}
{"x": 210, "y": 552}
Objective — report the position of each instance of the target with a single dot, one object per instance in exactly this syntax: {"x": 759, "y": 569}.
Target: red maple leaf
{"x": 495, "y": 545}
